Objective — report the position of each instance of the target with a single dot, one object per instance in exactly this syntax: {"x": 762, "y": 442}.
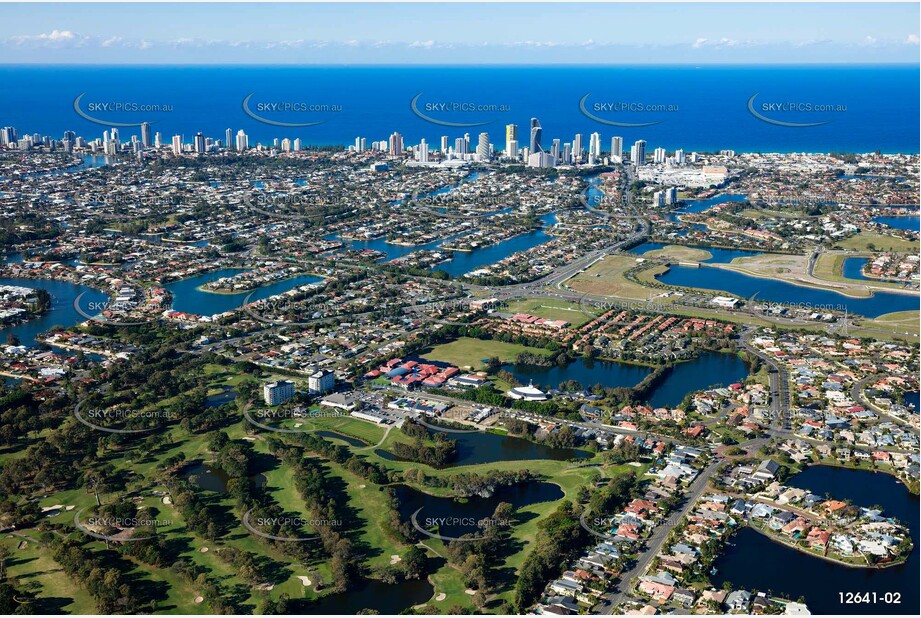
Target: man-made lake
{"x": 207, "y": 476}
{"x": 779, "y": 291}
{"x": 697, "y": 206}
{"x": 754, "y": 561}
{"x": 586, "y": 371}
{"x": 718, "y": 255}
{"x": 708, "y": 369}
{"x": 62, "y": 312}
{"x": 909, "y": 222}
{"x": 335, "y": 435}
{"x": 218, "y": 399}
{"x": 189, "y": 299}
{"x": 463, "y": 261}
{"x": 388, "y": 599}
{"x": 853, "y": 268}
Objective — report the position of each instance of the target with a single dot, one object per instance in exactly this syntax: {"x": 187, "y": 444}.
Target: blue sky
{"x": 413, "y": 33}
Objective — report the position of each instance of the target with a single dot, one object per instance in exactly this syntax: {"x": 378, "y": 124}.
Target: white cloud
{"x": 912, "y": 39}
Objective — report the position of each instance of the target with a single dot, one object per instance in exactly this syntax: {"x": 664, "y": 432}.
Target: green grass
{"x": 880, "y": 242}
{"x": 469, "y": 352}
{"x": 550, "y": 309}
{"x": 39, "y": 574}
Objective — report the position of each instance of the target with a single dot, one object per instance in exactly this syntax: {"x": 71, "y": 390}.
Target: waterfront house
{"x": 738, "y": 600}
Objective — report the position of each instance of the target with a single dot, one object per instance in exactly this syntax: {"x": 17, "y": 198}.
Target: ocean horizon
{"x": 747, "y": 108}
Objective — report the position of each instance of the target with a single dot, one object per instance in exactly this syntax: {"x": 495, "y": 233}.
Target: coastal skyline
{"x": 431, "y": 33}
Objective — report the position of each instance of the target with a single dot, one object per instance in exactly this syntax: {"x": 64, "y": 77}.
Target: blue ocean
{"x": 848, "y": 108}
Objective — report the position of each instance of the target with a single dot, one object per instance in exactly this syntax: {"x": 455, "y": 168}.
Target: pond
{"x": 370, "y": 594}
{"x": 219, "y": 399}
{"x": 586, "y": 371}
{"x": 334, "y": 435}
{"x": 709, "y": 369}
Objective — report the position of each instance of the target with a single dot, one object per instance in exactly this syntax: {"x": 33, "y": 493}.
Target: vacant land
{"x": 679, "y": 252}
{"x": 606, "y": 278}
{"x": 871, "y": 241}
{"x": 468, "y": 352}
{"x": 550, "y": 309}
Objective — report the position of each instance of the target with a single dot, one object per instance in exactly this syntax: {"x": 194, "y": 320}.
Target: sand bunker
{"x": 304, "y": 580}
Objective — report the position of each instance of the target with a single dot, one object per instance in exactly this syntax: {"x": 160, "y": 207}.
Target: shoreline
{"x": 779, "y": 540}
{"x": 202, "y": 288}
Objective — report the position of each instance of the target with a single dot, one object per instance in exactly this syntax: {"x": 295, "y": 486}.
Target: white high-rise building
{"x": 286, "y": 145}
{"x": 577, "y": 148}
{"x": 658, "y": 199}
{"x": 358, "y": 147}
{"x": 158, "y": 139}
{"x": 638, "y": 153}
{"x": 444, "y": 144}
{"x": 396, "y": 144}
{"x": 540, "y": 159}
{"x": 679, "y": 157}
{"x": 460, "y": 146}
{"x": 242, "y": 141}
{"x": 321, "y": 382}
{"x": 145, "y": 134}
{"x": 298, "y": 144}
{"x": 671, "y": 196}
{"x": 482, "y": 149}
{"x": 275, "y": 393}
{"x": 228, "y": 138}
{"x": 199, "y": 142}
{"x": 617, "y": 147}
{"x": 511, "y": 151}
{"x": 422, "y": 153}
{"x": 177, "y": 145}
{"x": 658, "y": 155}
{"x": 594, "y": 145}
